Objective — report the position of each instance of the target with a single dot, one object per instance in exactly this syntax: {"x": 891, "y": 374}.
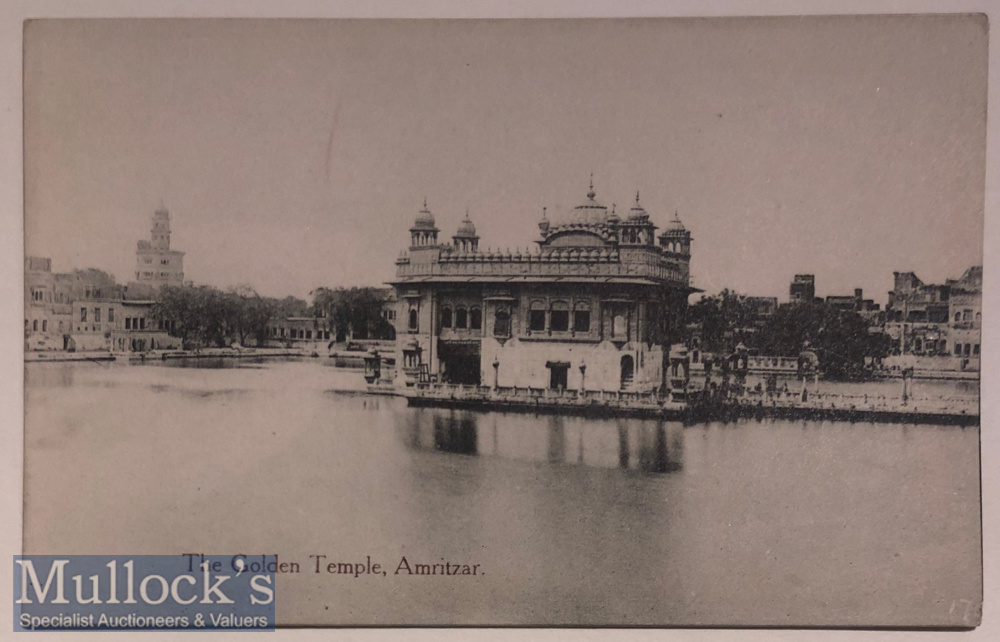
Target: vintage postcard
{"x": 607, "y": 322}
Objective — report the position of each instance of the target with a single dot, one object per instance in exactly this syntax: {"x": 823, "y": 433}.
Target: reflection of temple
{"x": 644, "y": 446}
{"x": 594, "y": 307}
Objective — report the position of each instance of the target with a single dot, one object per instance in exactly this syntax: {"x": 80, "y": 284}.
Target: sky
{"x": 294, "y": 154}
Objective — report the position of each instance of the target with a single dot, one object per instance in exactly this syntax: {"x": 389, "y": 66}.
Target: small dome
{"x": 466, "y": 229}
{"x": 425, "y": 220}
{"x": 613, "y": 217}
{"x": 675, "y": 224}
{"x": 638, "y": 213}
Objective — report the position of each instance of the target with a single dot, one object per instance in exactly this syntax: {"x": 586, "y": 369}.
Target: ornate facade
{"x": 595, "y": 306}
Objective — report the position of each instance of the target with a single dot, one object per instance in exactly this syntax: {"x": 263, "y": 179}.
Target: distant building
{"x": 802, "y": 288}
{"x": 290, "y": 331}
{"x": 942, "y": 320}
{"x": 913, "y": 301}
{"x": 764, "y": 307}
{"x": 852, "y": 302}
{"x": 965, "y": 303}
{"x": 85, "y": 310}
{"x": 595, "y": 307}
{"x": 156, "y": 264}
{"x": 105, "y": 319}
{"x": 47, "y": 310}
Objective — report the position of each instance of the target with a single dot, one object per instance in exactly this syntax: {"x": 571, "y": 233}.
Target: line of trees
{"x": 205, "y": 316}
{"x": 841, "y": 338}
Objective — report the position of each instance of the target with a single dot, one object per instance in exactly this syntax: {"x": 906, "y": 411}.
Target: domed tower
{"x": 424, "y": 232}
{"x": 676, "y": 239}
{"x": 465, "y": 238}
{"x": 636, "y": 229}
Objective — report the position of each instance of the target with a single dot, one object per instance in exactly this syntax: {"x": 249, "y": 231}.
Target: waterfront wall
{"x": 523, "y": 363}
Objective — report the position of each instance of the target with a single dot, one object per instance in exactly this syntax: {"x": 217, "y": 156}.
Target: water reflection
{"x": 641, "y": 446}
{"x": 209, "y": 363}
{"x": 766, "y": 518}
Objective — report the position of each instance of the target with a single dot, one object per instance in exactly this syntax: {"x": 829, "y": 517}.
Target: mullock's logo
{"x": 150, "y": 592}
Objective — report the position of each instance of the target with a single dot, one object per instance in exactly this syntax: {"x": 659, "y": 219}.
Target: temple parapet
{"x": 553, "y": 263}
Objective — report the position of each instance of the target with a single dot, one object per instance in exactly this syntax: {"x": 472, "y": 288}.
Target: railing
{"x": 773, "y": 364}
{"x": 950, "y": 405}
{"x": 956, "y": 404}
{"x": 560, "y": 396}
{"x": 535, "y": 265}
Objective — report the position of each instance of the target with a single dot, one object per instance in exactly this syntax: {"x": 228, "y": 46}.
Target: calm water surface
{"x": 573, "y": 521}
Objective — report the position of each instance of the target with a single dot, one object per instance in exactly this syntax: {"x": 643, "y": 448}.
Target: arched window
{"x": 619, "y": 326}
{"x": 476, "y": 319}
{"x": 627, "y": 370}
{"x": 501, "y": 323}
{"x": 34, "y": 325}
{"x": 559, "y": 317}
{"x": 461, "y": 318}
{"x": 445, "y": 317}
{"x": 413, "y": 320}
{"x": 536, "y": 316}
{"x": 958, "y": 317}
{"x": 45, "y": 325}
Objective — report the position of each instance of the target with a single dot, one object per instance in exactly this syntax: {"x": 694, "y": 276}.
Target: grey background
{"x": 849, "y": 147}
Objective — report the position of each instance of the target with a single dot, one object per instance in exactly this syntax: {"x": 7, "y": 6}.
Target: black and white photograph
{"x": 610, "y": 322}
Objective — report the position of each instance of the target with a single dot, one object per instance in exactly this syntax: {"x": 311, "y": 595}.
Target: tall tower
{"x": 156, "y": 264}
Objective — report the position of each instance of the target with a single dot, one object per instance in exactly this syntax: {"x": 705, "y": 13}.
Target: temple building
{"x": 595, "y": 306}
{"x": 156, "y": 264}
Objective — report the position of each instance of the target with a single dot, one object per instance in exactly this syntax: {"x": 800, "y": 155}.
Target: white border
{"x": 14, "y": 12}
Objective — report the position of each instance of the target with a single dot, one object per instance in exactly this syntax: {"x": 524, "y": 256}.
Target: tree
{"x": 354, "y": 312}
{"x": 722, "y": 318}
{"x": 840, "y": 338}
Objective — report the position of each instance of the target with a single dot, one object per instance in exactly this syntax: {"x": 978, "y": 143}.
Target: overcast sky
{"x": 294, "y": 154}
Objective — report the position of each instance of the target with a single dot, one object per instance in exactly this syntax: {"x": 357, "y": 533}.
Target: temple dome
{"x": 591, "y": 211}
{"x": 638, "y": 212}
{"x": 466, "y": 229}
{"x": 675, "y": 224}
{"x": 424, "y": 220}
